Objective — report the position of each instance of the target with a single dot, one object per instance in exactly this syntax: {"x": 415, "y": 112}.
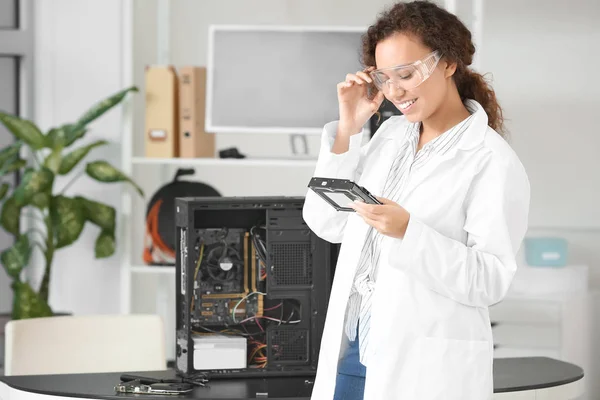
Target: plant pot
{"x": 4, "y": 319}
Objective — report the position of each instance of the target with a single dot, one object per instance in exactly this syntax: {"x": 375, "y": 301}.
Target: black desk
{"x": 511, "y": 375}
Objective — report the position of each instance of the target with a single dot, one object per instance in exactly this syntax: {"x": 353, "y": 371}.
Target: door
{"x": 16, "y": 48}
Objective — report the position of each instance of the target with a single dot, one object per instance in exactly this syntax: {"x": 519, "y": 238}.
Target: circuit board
{"x": 220, "y": 311}
{"x": 226, "y": 278}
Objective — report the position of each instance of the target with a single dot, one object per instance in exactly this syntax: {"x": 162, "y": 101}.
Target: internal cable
{"x": 240, "y": 302}
{"x": 259, "y": 244}
{"x": 269, "y": 319}
{"x": 200, "y": 256}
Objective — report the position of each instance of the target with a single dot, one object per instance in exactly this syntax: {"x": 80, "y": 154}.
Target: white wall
{"x": 77, "y": 63}
{"x": 543, "y": 67}
{"x": 539, "y": 54}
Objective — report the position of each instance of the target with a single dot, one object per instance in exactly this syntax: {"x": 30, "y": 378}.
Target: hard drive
{"x": 341, "y": 192}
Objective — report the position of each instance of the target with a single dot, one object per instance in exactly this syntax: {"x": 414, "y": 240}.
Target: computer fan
{"x": 223, "y": 264}
{"x": 221, "y": 257}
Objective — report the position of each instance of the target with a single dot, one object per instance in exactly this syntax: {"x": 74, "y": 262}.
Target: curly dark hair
{"x": 441, "y": 30}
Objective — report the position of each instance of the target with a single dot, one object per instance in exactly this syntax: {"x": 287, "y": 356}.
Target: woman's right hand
{"x": 355, "y": 106}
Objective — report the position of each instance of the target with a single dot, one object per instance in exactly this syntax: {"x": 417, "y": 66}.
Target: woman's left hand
{"x": 388, "y": 218}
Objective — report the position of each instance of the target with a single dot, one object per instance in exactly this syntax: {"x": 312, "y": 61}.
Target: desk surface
{"x": 510, "y": 375}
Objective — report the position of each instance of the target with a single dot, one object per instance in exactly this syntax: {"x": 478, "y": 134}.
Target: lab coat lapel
{"x": 374, "y": 179}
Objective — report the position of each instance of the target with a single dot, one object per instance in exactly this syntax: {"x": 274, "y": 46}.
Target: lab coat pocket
{"x": 454, "y": 369}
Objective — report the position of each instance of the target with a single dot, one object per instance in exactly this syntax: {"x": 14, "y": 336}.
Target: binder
{"x": 162, "y": 112}
{"x": 194, "y": 141}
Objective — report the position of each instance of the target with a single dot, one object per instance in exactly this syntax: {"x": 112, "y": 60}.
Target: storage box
{"x": 219, "y": 352}
{"x": 546, "y": 252}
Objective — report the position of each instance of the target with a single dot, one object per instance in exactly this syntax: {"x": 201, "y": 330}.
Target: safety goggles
{"x": 407, "y": 76}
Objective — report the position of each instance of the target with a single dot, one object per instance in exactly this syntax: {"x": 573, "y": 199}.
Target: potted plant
{"x": 57, "y": 219}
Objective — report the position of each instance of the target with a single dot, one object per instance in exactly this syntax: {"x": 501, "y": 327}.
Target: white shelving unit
{"x": 219, "y": 162}
{"x": 150, "y": 289}
{"x": 153, "y": 269}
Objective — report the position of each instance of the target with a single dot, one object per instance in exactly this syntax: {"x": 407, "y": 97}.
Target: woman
{"x": 408, "y": 314}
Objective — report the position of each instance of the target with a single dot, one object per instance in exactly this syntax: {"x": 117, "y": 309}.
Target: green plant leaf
{"x": 53, "y": 161}
{"x": 27, "y": 303}
{"x": 103, "y": 216}
{"x": 74, "y": 134}
{"x": 10, "y": 216}
{"x": 41, "y": 200}
{"x": 103, "y": 106}
{"x": 56, "y": 137}
{"x": 10, "y": 151}
{"x": 15, "y": 165}
{"x": 68, "y": 218}
{"x": 99, "y": 214}
{"x": 16, "y": 258}
{"x": 71, "y": 159}
{"x": 12, "y": 165}
{"x": 3, "y": 190}
{"x": 34, "y": 181}
{"x": 104, "y": 172}
{"x": 105, "y": 245}
{"x": 10, "y": 160}
{"x": 24, "y": 130}
{"x": 64, "y": 135}
{"x": 67, "y": 134}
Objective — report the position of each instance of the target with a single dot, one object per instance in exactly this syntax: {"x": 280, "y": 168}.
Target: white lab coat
{"x": 430, "y": 328}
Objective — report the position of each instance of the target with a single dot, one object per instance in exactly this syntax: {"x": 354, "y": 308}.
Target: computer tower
{"x": 249, "y": 267}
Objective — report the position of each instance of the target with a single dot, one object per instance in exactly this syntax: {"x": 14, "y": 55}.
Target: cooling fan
{"x": 222, "y": 269}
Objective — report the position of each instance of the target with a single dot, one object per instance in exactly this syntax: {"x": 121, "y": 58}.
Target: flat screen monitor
{"x": 277, "y": 79}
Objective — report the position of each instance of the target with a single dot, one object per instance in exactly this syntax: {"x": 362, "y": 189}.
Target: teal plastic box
{"x": 546, "y": 251}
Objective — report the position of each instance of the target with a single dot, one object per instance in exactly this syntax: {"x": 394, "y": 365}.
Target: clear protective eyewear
{"x": 407, "y": 76}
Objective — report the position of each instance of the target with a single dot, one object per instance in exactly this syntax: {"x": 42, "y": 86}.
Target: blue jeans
{"x": 350, "y": 382}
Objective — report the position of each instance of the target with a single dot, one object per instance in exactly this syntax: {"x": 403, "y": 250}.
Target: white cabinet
{"x": 562, "y": 333}
{"x": 545, "y": 314}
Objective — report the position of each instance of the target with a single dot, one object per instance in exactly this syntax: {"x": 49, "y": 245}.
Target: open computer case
{"x": 252, "y": 279}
